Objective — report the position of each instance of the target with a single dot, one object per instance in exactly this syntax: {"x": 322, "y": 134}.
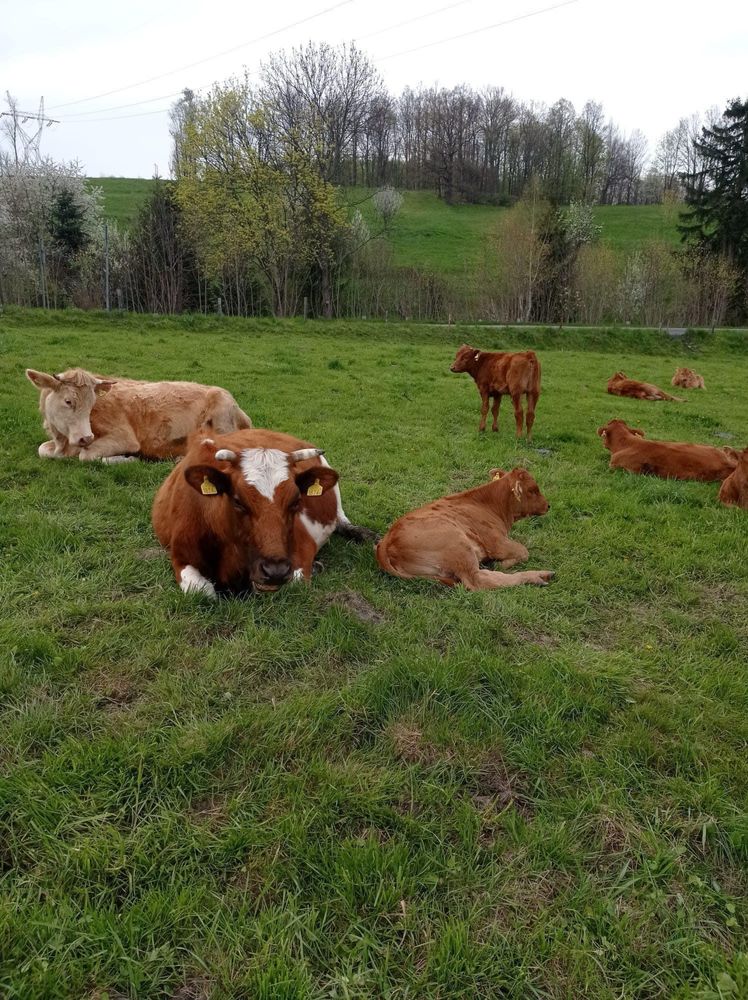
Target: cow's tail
{"x": 671, "y": 399}
{"x": 381, "y": 553}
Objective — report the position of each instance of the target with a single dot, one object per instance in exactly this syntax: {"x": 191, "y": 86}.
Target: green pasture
{"x": 449, "y": 240}
{"x": 369, "y": 788}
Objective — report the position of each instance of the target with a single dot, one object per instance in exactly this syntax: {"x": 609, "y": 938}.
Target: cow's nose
{"x": 85, "y": 440}
{"x": 275, "y": 570}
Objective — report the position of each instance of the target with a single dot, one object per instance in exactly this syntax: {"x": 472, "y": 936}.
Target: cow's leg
{"x": 532, "y": 402}
{"x": 191, "y": 580}
{"x": 112, "y": 449}
{"x": 483, "y": 410}
{"x": 50, "y": 450}
{"x": 486, "y": 579}
{"x": 509, "y": 553}
{"x": 495, "y": 412}
{"x": 518, "y": 415}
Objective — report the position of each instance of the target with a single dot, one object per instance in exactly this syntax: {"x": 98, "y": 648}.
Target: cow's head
{"x": 465, "y": 359}
{"x": 616, "y": 430}
{"x": 261, "y": 492}
{"x": 525, "y": 497}
{"x": 618, "y": 377}
{"x": 66, "y": 402}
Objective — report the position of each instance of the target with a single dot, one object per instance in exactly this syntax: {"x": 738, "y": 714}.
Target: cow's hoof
{"x": 541, "y": 577}
{"x": 117, "y": 459}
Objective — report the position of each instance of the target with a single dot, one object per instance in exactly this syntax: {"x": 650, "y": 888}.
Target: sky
{"x": 108, "y": 73}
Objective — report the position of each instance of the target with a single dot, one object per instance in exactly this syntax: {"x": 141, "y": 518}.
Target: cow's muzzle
{"x": 272, "y": 573}
{"x": 84, "y": 440}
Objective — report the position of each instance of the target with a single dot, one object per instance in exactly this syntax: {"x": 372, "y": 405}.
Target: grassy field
{"x": 371, "y": 788}
{"x": 447, "y": 239}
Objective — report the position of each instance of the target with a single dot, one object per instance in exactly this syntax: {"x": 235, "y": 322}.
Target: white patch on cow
{"x": 319, "y": 532}
{"x": 207, "y": 441}
{"x": 192, "y": 581}
{"x": 118, "y": 459}
{"x": 340, "y": 517}
{"x": 265, "y": 469}
{"x": 298, "y": 575}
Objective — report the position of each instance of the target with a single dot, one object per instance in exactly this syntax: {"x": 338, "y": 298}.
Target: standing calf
{"x": 502, "y": 373}
{"x": 447, "y": 540}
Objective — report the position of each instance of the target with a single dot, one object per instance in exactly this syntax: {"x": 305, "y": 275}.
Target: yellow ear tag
{"x": 497, "y": 475}
{"x": 315, "y": 490}
{"x": 207, "y": 488}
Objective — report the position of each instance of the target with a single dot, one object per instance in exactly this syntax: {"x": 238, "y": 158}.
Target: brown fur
{"x": 96, "y": 417}
{"x": 734, "y": 490}
{"x": 687, "y": 378}
{"x": 502, "y": 373}
{"x": 620, "y": 385}
{"x": 447, "y": 540}
{"x": 667, "y": 459}
{"x": 230, "y": 536}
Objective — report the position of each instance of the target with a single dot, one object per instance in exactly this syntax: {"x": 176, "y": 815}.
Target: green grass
{"x": 529, "y": 793}
{"x": 429, "y": 234}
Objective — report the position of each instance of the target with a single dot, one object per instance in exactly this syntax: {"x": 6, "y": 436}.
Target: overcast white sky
{"x": 649, "y": 62}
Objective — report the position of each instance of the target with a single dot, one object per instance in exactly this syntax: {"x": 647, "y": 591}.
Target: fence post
{"x": 219, "y": 307}
{"x": 306, "y": 306}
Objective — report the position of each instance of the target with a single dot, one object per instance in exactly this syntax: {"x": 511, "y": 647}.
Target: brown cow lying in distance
{"x": 667, "y": 459}
{"x": 687, "y": 378}
{"x": 502, "y": 373}
{"x": 248, "y": 510}
{"x": 115, "y": 419}
{"x": 447, "y": 540}
{"x": 620, "y": 385}
{"x": 734, "y": 490}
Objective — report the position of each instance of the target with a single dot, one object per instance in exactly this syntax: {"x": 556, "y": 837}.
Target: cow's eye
{"x": 68, "y": 402}
{"x": 238, "y": 505}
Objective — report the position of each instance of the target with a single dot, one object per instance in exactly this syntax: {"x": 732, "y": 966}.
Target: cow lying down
{"x": 248, "y": 510}
{"x": 667, "y": 459}
{"x": 734, "y": 490}
{"x": 687, "y": 378}
{"x": 94, "y": 417}
{"x": 449, "y": 539}
{"x": 620, "y": 385}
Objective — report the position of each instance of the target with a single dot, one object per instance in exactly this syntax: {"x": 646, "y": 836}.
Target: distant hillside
{"x": 428, "y": 233}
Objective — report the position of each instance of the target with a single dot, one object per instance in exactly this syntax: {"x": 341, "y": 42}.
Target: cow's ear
{"x": 602, "y": 431}
{"x": 104, "y": 384}
{"x": 208, "y": 480}
{"x": 317, "y": 480}
{"x": 41, "y": 380}
{"x": 518, "y": 489}
{"x": 496, "y": 473}
{"x": 635, "y": 430}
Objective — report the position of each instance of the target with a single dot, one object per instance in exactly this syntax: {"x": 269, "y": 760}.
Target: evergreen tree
{"x": 717, "y": 192}
{"x": 68, "y": 223}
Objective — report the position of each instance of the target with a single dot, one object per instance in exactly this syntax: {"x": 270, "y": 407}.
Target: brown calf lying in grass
{"x": 620, "y": 385}
{"x": 447, "y": 540}
{"x": 502, "y": 373}
{"x": 667, "y": 459}
{"x": 687, "y": 378}
{"x": 734, "y": 490}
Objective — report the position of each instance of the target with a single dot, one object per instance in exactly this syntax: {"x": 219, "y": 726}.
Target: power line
{"x": 216, "y": 55}
{"x": 412, "y": 20}
{"x": 477, "y": 31}
{"x": 121, "y": 107}
{"x": 114, "y": 118}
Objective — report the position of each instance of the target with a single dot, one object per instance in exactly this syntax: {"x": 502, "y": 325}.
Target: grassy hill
{"x": 370, "y": 787}
{"x": 428, "y": 233}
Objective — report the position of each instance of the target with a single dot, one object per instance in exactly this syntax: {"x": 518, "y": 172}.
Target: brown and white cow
{"x": 449, "y": 539}
{"x": 502, "y": 373}
{"x": 116, "y": 419}
{"x": 687, "y": 378}
{"x": 248, "y": 510}
{"x": 620, "y": 385}
{"x": 630, "y": 450}
{"x": 734, "y": 490}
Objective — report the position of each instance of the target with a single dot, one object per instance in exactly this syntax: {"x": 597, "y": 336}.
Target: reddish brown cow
{"x": 734, "y": 490}
{"x": 447, "y": 540}
{"x": 502, "y": 373}
{"x": 667, "y": 459}
{"x": 620, "y": 385}
{"x": 115, "y": 419}
{"x": 687, "y": 378}
{"x": 247, "y": 510}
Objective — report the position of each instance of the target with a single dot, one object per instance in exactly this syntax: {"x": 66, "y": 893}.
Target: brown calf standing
{"x": 667, "y": 459}
{"x": 502, "y": 373}
{"x": 620, "y": 385}
{"x": 447, "y": 540}
{"x": 687, "y": 378}
{"x": 734, "y": 490}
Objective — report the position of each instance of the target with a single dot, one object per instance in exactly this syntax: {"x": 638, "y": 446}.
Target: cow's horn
{"x": 225, "y": 455}
{"x": 303, "y": 454}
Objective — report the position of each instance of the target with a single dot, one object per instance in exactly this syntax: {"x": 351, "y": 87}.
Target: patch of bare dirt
{"x": 497, "y": 787}
{"x": 193, "y": 989}
{"x": 358, "y": 606}
{"x": 150, "y": 552}
{"x": 535, "y": 638}
{"x": 114, "y": 692}
{"x": 411, "y": 746}
{"x": 210, "y": 811}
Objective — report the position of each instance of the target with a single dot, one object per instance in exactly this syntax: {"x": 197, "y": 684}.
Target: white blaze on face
{"x": 265, "y": 469}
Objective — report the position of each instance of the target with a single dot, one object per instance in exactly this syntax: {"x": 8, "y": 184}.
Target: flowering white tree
{"x": 387, "y": 203}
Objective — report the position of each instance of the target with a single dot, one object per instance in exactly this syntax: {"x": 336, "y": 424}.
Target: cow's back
{"x": 513, "y": 372}
{"x": 676, "y": 460}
